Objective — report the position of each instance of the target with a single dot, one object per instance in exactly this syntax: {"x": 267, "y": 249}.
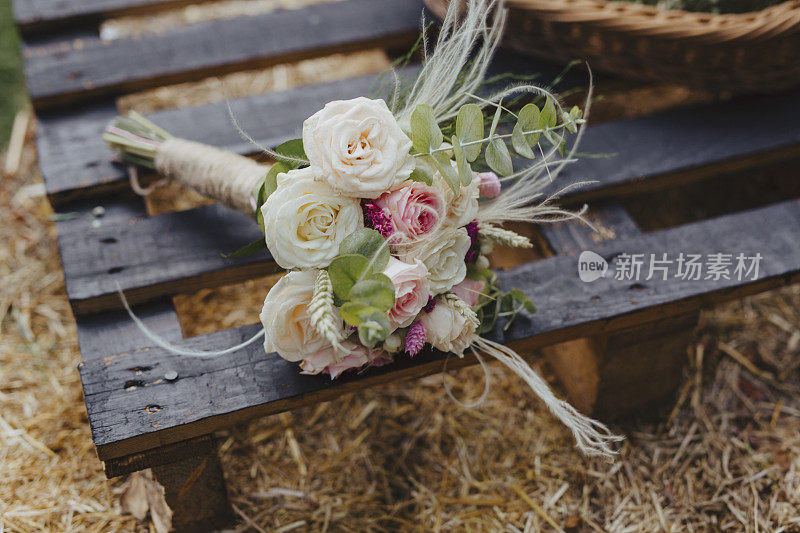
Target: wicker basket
{"x": 750, "y": 52}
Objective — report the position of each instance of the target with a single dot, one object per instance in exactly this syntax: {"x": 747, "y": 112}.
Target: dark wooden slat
{"x": 36, "y": 16}
{"x": 57, "y": 75}
{"x": 214, "y": 393}
{"x": 686, "y": 144}
{"x": 146, "y": 257}
{"x": 573, "y": 236}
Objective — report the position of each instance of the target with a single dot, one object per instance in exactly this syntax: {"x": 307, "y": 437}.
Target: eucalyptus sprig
{"x": 467, "y": 142}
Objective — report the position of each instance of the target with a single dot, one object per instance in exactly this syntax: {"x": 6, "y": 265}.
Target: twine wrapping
{"x": 224, "y": 176}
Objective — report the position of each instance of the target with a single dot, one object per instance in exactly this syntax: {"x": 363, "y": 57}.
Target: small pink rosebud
{"x": 490, "y": 185}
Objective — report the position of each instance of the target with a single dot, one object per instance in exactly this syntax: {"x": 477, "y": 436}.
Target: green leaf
{"x": 271, "y": 182}
{"x": 421, "y": 175}
{"x": 291, "y": 149}
{"x": 498, "y": 158}
{"x": 248, "y": 249}
{"x": 368, "y": 243}
{"x": 353, "y": 312}
{"x": 519, "y": 296}
{"x": 464, "y": 170}
{"x": 374, "y": 329}
{"x": 527, "y": 120}
{"x": 377, "y": 291}
{"x": 548, "y": 116}
{"x": 441, "y": 162}
{"x": 425, "y": 132}
{"x": 469, "y": 128}
{"x": 345, "y": 271}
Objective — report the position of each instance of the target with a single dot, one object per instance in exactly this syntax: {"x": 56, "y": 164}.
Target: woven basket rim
{"x": 650, "y": 21}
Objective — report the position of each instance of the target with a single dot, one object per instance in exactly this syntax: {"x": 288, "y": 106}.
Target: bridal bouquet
{"x": 384, "y": 213}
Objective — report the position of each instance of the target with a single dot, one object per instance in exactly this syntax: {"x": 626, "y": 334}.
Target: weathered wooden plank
{"x": 212, "y": 393}
{"x": 648, "y": 152}
{"x": 686, "y": 144}
{"x": 573, "y": 236}
{"x": 147, "y": 257}
{"x": 86, "y": 68}
{"x": 36, "y": 16}
{"x": 171, "y": 453}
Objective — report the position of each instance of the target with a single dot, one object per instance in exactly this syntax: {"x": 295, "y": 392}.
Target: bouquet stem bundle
{"x": 226, "y": 177}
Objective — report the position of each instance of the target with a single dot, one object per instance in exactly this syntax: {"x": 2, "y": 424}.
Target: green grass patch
{"x": 12, "y": 84}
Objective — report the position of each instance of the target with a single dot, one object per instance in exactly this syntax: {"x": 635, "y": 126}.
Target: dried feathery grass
{"x": 502, "y": 236}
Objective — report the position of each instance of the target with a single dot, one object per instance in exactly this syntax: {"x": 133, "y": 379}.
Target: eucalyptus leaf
{"x": 498, "y": 158}
{"x": 464, "y": 170}
{"x": 374, "y": 329}
{"x": 548, "y": 116}
{"x": 345, "y": 271}
{"x": 425, "y": 132}
{"x": 441, "y": 162}
{"x": 368, "y": 243}
{"x": 377, "y": 291}
{"x": 292, "y": 150}
{"x": 354, "y": 312}
{"x": 469, "y": 128}
{"x": 527, "y": 120}
{"x": 422, "y": 174}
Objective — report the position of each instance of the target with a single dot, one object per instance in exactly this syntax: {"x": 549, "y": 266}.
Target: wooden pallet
{"x": 604, "y": 339}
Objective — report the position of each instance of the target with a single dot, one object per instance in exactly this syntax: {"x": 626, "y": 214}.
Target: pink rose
{"x": 414, "y": 210}
{"x": 355, "y": 356}
{"x": 469, "y": 290}
{"x": 490, "y": 185}
{"x": 411, "y": 291}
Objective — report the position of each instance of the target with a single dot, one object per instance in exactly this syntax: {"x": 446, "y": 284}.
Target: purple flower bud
{"x": 430, "y": 305}
{"x": 472, "y": 231}
{"x": 415, "y": 338}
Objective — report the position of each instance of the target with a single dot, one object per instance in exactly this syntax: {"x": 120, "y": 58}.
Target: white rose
{"x": 443, "y": 255}
{"x": 357, "y": 147}
{"x": 448, "y": 330}
{"x": 286, "y": 320}
{"x": 306, "y": 220}
{"x": 462, "y": 208}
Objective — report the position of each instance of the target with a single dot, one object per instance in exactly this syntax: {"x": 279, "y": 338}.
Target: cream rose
{"x": 448, "y": 330}
{"x": 462, "y": 208}
{"x": 286, "y": 320}
{"x": 411, "y": 291}
{"x": 306, "y": 220}
{"x": 443, "y": 256}
{"x": 357, "y": 147}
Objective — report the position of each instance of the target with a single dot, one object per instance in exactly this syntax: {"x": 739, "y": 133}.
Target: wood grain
{"x": 156, "y": 256}
{"x": 82, "y": 69}
{"x": 37, "y": 16}
{"x": 128, "y": 417}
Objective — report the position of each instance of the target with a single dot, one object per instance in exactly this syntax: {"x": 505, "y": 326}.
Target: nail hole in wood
{"x": 115, "y": 270}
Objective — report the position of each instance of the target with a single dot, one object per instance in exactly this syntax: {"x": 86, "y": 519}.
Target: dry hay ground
{"x": 405, "y": 457}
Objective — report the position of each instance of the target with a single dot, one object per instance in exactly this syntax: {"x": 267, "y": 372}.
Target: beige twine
{"x": 224, "y": 176}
